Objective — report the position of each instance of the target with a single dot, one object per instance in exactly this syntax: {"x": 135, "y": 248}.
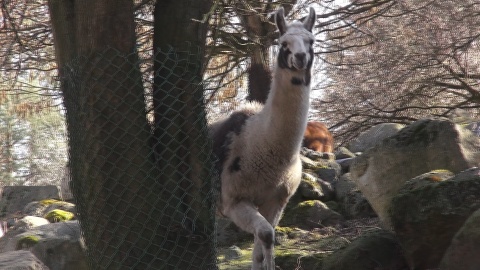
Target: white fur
{"x": 266, "y": 149}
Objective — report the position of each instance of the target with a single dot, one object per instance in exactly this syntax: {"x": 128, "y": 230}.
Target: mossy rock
{"x": 58, "y": 215}
{"x": 426, "y": 217}
{"x": 298, "y": 260}
{"x": 377, "y": 249}
{"x": 47, "y": 202}
{"x": 427, "y": 179}
{"x": 27, "y": 241}
{"x": 311, "y": 214}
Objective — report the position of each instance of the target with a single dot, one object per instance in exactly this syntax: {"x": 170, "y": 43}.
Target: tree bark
{"x": 122, "y": 202}
{"x": 182, "y": 149}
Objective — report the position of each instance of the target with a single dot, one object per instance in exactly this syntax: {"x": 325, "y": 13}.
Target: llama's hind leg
{"x": 247, "y": 217}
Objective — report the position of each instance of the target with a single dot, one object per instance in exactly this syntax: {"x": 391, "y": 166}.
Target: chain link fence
{"x": 141, "y": 162}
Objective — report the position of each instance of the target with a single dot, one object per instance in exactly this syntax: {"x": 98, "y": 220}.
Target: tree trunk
{"x": 182, "y": 149}
{"x": 121, "y": 201}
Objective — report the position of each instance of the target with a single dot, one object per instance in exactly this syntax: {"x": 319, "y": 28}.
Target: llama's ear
{"x": 309, "y": 22}
{"x": 280, "y": 21}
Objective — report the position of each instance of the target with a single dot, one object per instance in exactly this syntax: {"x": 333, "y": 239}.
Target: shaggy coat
{"x": 318, "y": 138}
{"x": 258, "y": 146}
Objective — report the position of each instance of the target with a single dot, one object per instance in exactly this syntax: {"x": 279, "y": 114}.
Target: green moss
{"x": 58, "y": 215}
{"x": 284, "y": 230}
{"x": 291, "y": 215}
{"x": 27, "y": 241}
{"x": 50, "y": 202}
{"x": 306, "y": 204}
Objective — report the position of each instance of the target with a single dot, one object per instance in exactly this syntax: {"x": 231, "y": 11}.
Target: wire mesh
{"x": 142, "y": 179}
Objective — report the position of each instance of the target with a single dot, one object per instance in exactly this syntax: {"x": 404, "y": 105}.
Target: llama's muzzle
{"x": 300, "y": 61}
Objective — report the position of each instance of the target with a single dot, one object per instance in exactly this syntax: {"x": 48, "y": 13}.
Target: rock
{"x": 356, "y": 206}
{"x": 328, "y": 170}
{"x": 419, "y": 148}
{"x": 41, "y": 208}
{"x": 311, "y": 214}
{"x": 58, "y": 215}
{"x": 57, "y": 245}
{"x": 315, "y": 156}
{"x": 312, "y": 188}
{"x": 20, "y": 260}
{"x": 345, "y": 164}
{"x": 377, "y": 249}
{"x": 7, "y": 238}
{"x": 425, "y": 217}
{"x": 343, "y": 153}
{"x": 352, "y": 202}
{"x": 14, "y": 198}
{"x": 427, "y": 179}
{"x": 372, "y": 136}
{"x": 344, "y": 186}
{"x": 29, "y": 222}
{"x": 232, "y": 253}
{"x": 463, "y": 253}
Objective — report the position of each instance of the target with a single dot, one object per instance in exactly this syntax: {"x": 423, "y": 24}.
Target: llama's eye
{"x": 284, "y": 44}
{"x": 311, "y": 42}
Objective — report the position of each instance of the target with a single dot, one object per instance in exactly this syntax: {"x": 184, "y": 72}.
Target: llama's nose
{"x": 301, "y": 56}
{"x": 300, "y": 60}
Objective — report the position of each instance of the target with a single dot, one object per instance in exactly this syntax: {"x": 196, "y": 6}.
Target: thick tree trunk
{"x": 182, "y": 148}
{"x": 122, "y": 206}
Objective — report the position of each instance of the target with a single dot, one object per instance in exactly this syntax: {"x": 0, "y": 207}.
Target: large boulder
{"x": 43, "y": 207}
{"x": 423, "y": 146}
{"x": 20, "y": 260}
{"x": 313, "y": 188}
{"x": 29, "y": 222}
{"x": 464, "y": 251}
{"x": 372, "y": 136}
{"x": 14, "y": 198}
{"x": 57, "y": 245}
{"x": 311, "y": 214}
{"x": 378, "y": 249}
{"x": 428, "y": 211}
{"x": 353, "y": 204}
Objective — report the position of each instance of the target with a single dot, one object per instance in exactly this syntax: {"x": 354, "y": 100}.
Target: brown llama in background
{"x": 318, "y": 138}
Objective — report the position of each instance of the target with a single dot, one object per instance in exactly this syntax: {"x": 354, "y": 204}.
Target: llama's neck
{"x": 286, "y": 109}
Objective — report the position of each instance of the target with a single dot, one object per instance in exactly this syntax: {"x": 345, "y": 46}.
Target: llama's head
{"x": 296, "y": 39}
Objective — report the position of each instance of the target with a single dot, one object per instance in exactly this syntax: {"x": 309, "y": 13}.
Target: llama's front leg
{"x": 272, "y": 212}
{"x": 247, "y": 218}
{"x": 262, "y": 255}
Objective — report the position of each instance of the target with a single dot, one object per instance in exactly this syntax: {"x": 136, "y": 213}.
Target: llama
{"x": 318, "y": 138}
{"x": 258, "y": 146}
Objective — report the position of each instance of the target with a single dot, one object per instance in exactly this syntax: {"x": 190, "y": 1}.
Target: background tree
{"x": 242, "y": 33}
{"x": 32, "y": 125}
{"x": 410, "y": 59}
